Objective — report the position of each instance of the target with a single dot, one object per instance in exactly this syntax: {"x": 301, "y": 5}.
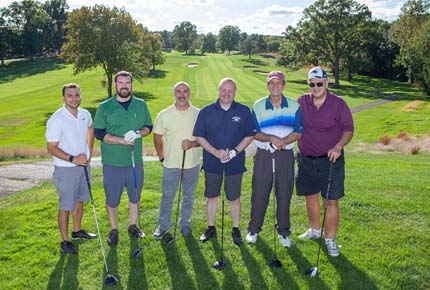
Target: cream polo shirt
{"x": 175, "y": 126}
{"x": 70, "y": 132}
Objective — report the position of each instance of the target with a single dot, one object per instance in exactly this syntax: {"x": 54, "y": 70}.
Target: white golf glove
{"x": 231, "y": 155}
{"x": 270, "y": 147}
{"x": 131, "y": 135}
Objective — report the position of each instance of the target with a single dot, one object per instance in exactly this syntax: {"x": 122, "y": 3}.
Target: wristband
{"x": 71, "y": 158}
{"x": 235, "y": 150}
{"x": 162, "y": 159}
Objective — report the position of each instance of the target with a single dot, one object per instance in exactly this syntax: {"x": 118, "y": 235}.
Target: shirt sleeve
{"x": 255, "y": 121}
{"x": 100, "y": 119}
{"x": 249, "y": 124}
{"x": 199, "y": 127}
{"x": 53, "y": 130}
{"x": 158, "y": 125}
{"x": 147, "y": 121}
{"x": 298, "y": 125}
{"x": 346, "y": 121}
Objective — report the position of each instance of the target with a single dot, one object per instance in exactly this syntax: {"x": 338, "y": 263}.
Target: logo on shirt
{"x": 235, "y": 119}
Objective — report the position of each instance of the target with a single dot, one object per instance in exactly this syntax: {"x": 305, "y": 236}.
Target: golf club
{"x": 110, "y": 279}
{"x": 138, "y": 252}
{"x": 219, "y": 265}
{"x": 274, "y": 263}
{"x": 170, "y": 240}
{"x": 314, "y": 271}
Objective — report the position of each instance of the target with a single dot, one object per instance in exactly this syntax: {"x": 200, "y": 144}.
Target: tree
{"x": 228, "y": 38}
{"x": 329, "y": 31}
{"x": 412, "y": 33}
{"x": 8, "y": 36}
{"x": 185, "y": 34}
{"x": 153, "y": 46}
{"x": 30, "y": 18}
{"x": 260, "y": 42}
{"x": 57, "y": 12}
{"x": 208, "y": 43}
{"x": 249, "y": 46}
{"x": 168, "y": 40}
{"x": 106, "y": 37}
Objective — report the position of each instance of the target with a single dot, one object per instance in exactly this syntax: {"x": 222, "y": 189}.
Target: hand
{"x": 187, "y": 144}
{"x": 81, "y": 160}
{"x": 223, "y": 155}
{"x": 277, "y": 142}
{"x": 131, "y": 135}
{"x": 270, "y": 147}
{"x": 334, "y": 153}
{"x": 231, "y": 155}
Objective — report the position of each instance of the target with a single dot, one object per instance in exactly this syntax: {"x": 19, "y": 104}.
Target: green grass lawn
{"x": 383, "y": 236}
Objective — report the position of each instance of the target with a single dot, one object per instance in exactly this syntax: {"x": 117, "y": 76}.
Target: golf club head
{"x": 170, "y": 240}
{"x": 110, "y": 280}
{"x": 275, "y": 263}
{"x": 312, "y": 272}
{"x": 137, "y": 253}
{"x": 219, "y": 265}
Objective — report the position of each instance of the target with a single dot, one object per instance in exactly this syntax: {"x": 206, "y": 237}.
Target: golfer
{"x": 278, "y": 121}
{"x": 224, "y": 129}
{"x": 328, "y": 127}
{"x": 120, "y": 124}
{"x": 70, "y": 138}
{"x": 173, "y": 133}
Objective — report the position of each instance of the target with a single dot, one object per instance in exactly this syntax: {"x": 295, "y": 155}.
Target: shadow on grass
{"x": 351, "y": 276}
{"x": 303, "y": 265}
{"x": 254, "y": 270}
{"x": 178, "y": 273}
{"x": 204, "y": 277}
{"x": 255, "y": 61}
{"x": 65, "y": 273}
{"x": 283, "y": 278}
{"x": 157, "y": 74}
{"x": 112, "y": 262}
{"x": 136, "y": 276}
{"x": 26, "y": 68}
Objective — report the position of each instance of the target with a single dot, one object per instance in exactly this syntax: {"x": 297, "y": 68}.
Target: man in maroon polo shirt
{"x": 327, "y": 127}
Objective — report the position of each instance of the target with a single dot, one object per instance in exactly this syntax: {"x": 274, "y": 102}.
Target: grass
{"x": 383, "y": 234}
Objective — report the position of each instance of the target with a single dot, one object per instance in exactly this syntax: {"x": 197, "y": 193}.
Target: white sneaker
{"x": 332, "y": 248}
{"x": 251, "y": 238}
{"x": 285, "y": 241}
{"x": 311, "y": 234}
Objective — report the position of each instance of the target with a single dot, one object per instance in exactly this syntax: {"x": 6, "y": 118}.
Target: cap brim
{"x": 268, "y": 81}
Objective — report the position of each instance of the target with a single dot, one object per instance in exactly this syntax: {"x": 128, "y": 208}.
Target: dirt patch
{"x": 192, "y": 65}
{"x": 412, "y": 106}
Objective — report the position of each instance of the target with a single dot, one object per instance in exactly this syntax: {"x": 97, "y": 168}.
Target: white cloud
{"x": 383, "y": 9}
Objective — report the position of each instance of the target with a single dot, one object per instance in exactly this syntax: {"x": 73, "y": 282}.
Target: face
{"x": 182, "y": 95}
{"x": 123, "y": 86}
{"x": 276, "y": 86}
{"x": 319, "y": 88}
{"x": 72, "y": 98}
{"x": 226, "y": 93}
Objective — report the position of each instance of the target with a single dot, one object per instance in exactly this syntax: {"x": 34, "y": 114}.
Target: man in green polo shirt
{"x": 120, "y": 123}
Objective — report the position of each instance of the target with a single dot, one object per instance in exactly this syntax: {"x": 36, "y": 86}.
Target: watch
{"x": 71, "y": 158}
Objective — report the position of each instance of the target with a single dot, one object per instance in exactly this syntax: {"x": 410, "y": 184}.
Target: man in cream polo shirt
{"x": 173, "y": 133}
{"x": 67, "y": 132}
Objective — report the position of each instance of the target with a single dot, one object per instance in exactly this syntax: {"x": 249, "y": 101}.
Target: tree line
{"x": 338, "y": 34}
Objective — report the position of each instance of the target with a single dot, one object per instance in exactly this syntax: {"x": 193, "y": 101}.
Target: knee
{"x": 235, "y": 202}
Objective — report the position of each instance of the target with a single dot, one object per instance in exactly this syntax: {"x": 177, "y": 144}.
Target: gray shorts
{"x": 116, "y": 178}
{"x": 312, "y": 176}
{"x": 232, "y": 185}
{"x": 71, "y": 186}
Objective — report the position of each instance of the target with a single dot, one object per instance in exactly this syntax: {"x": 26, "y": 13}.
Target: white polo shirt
{"x": 70, "y": 132}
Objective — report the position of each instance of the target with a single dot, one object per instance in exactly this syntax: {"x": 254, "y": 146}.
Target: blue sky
{"x": 251, "y": 16}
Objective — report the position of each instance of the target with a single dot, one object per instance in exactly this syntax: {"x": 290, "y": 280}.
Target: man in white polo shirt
{"x": 67, "y": 132}
{"x": 173, "y": 133}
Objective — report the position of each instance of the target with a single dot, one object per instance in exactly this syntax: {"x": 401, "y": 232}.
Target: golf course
{"x": 385, "y": 216}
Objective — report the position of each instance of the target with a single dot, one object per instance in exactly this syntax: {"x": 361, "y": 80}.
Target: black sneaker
{"x": 237, "y": 237}
{"x": 209, "y": 233}
{"x": 135, "y": 231}
{"x": 68, "y": 248}
{"x": 113, "y": 237}
{"x": 83, "y": 235}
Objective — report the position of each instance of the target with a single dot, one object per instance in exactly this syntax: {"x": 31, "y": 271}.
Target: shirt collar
{"x": 269, "y": 105}
{"x": 218, "y": 105}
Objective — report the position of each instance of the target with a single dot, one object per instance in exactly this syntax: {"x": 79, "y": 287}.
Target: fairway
{"x": 385, "y": 215}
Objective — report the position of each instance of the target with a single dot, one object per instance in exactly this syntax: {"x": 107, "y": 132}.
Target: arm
{"x": 244, "y": 143}
{"x": 144, "y": 131}
{"x": 334, "y": 153}
{"x": 188, "y": 144}
{"x": 290, "y": 138}
{"x": 54, "y": 150}
{"x": 158, "y": 144}
{"x": 220, "y": 154}
{"x": 277, "y": 141}
{"x": 112, "y": 139}
{"x": 90, "y": 139}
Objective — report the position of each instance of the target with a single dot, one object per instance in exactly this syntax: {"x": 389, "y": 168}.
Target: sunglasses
{"x": 312, "y": 85}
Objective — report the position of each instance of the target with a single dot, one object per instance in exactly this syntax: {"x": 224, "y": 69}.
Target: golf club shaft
{"x": 95, "y": 218}
{"x": 222, "y": 216}
{"x": 180, "y": 190}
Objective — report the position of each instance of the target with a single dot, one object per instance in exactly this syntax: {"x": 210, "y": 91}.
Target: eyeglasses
{"x": 312, "y": 85}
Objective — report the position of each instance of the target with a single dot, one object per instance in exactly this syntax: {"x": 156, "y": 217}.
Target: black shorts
{"x": 232, "y": 185}
{"x": 313, "y": 173}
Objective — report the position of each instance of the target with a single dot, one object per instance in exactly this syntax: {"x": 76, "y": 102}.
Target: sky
{"x": 251, "y": 16}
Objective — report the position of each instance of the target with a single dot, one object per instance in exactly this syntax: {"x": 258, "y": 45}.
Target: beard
{"x": 123, "y": 93}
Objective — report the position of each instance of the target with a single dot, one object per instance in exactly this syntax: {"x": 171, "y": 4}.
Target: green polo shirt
{"x": 117, "y": 121}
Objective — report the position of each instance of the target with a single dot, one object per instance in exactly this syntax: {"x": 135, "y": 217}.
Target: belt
{"x": 316, "y": 157}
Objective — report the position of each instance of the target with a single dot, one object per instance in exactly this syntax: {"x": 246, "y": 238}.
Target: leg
{"x": 189, "y": 184}
{"x": 313, "y": 210}
{"x": 63, "y": 224}
{"x": 134, "y": 191}
{"x": 77, "y": 214}
{"x": 284, "y": 189}
{"x": 235, "y": 212}
{"x": 132, "y": 207}
{"x": 211, "y": 209}
{"x": 170, "y": 181}
{"x": 113, "y": 216}
{"x": 332, "y": 219}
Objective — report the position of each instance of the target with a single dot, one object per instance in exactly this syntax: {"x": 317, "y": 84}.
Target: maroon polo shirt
{"x": 323, "y": 128}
